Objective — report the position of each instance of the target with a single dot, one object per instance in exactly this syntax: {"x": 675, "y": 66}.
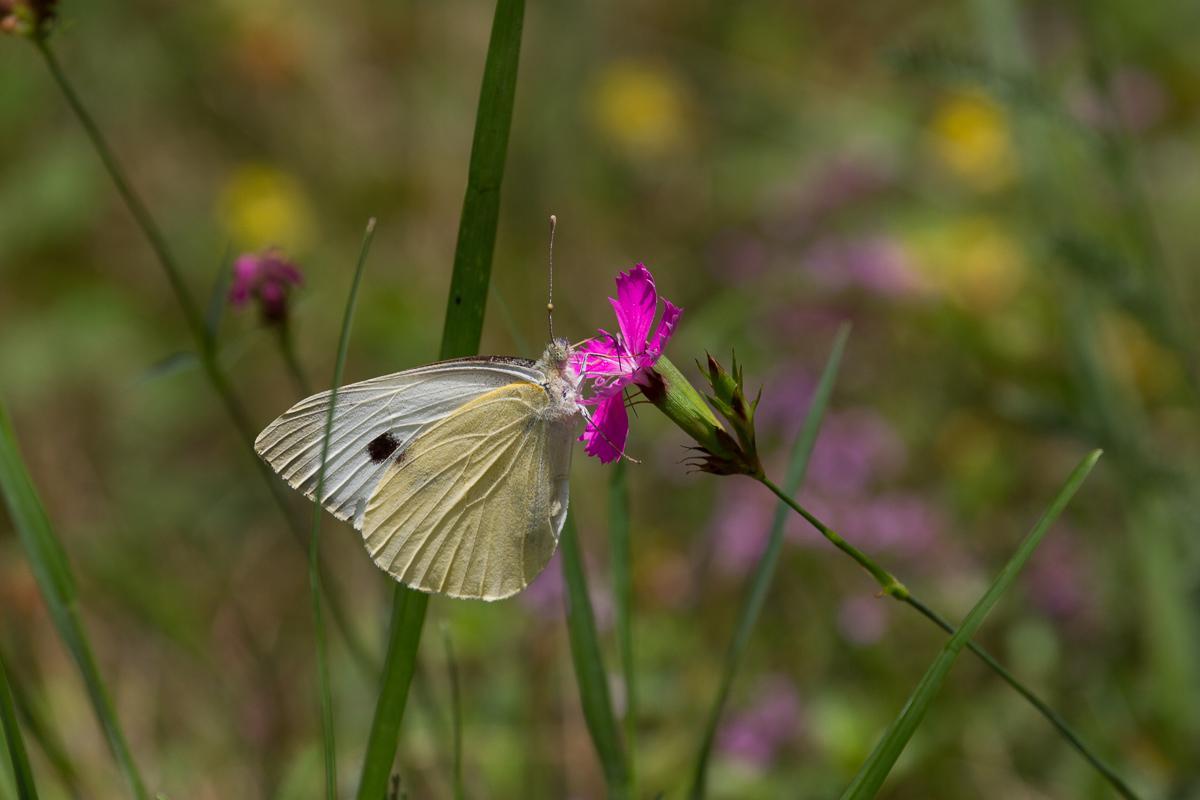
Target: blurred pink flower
{"x": 1135, "y": 100}
{"x": 1058, "y": 578}
{"x": 544, "y": 595}
{"x": 740, "y": 525}
{"x": 862, "y": 619}
{"x": 612, "y": 362}
{"x": 875, "y": 263}
{"x": 266, "y": 277}
{"x": 901, "y": 523}
{"x": 757, "y": 734}
{"x": 853, "y": 449}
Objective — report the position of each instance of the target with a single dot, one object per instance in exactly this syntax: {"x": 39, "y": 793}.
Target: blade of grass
{"x": 875, "y": 770}
{"x": 314, "y": 547}
{"x": 217, "y": 298}
{"x": 53, "y": 574}
{"x": 765, "y": 571}
{"x": 460, "y": 337}
{"x": 622, "y": 578}
{"x": 455, "y": 715}
{"x": 205, "y": 345}
{"x": 26, "y": 788}
{"x": 51, "y": 745}
{"x": 590, "y": 673}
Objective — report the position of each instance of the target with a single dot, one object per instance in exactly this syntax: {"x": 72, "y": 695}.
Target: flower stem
{"x": 894, "y": 588}
{"x": 886, "y": 580}
{"x": 195, "y": 323}
{"x": 287, "y": 347}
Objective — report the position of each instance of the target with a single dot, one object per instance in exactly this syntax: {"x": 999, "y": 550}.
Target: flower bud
{"x": 717, "y": 451}
{"x": 31, "y": 18}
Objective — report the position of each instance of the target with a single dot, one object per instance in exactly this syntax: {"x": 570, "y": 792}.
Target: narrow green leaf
{"x": 314, "y": 548}
{"x": 765, "y": 570}
{"x": 33, "y": 717}
{"x": 622, "y": 578}
{"x": 875, "y": 770}
{"x": 53, "y": 575}
{"x": 589, "y": 666}
{"x": 404, "y": 634}
{"x": 460, "y": 337}
{"x": 455, "y": 715}
{"x": 26, "y": 789}
{"x": 481, "y": 204}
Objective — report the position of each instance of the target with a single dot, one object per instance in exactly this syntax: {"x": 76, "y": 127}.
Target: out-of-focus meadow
{"x": 1001, "y": 197}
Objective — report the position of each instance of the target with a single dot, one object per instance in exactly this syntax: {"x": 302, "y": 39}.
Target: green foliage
{"x": 764, "y": 572}
{"x": 26, "y": 788}
{"x": 876, "y": 768}
{"x": 49, "y": 563}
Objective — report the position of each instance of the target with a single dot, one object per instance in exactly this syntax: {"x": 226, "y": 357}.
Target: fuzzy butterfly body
{"x": 456, "y": 473}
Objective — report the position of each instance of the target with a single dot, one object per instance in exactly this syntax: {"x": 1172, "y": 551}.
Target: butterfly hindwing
{"x": 373, "y": 424}
{"x": 475, "y": 506}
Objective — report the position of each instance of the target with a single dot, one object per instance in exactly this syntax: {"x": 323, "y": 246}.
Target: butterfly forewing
{"x": 475, "y": 506}
{"x": 375, "y": 422}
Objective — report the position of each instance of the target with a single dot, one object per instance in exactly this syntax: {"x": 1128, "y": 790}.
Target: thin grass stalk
{"x": 22, "y": 772}
{"x": 314, "y": 548}
{"x": 199, "y": 329}
{"x": 897, "y": 590}
{"x": 456, "y": 720}
{"x": 878, "y": 765}
{"x": 764, "y": 572}
{"x": 53, "y": 574}
{"x": 460, "y": 337}
{"x": 50, "y": 743}
{"x": 590, "y": 673}
{"x": 622, "y": 578}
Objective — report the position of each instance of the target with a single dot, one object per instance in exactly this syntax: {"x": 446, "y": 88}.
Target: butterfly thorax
{"x": 562, "y": 383}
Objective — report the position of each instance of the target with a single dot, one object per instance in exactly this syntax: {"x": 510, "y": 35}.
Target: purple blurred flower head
{"x": 612, "y": 362}
{"x": 267, "y": 278}
{"x": 32, "y": 18}
{"x": 1058, "y": 578}
{"x": 862, "y": 619}
{"x": 874, "y": 263}
{"x": 757, "y": 734}
{"x": 740, "y": 524}
{"x": 1135, "y": 100}
{"x": 854, "y": 448}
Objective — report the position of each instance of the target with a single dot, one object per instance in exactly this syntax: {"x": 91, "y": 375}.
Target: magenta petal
{"x": 636, "y": 302}
{"x": 666, "y": 327}
{"x": 606, "y": 431}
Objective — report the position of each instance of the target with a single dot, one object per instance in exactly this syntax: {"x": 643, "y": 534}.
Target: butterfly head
{"x": 562, "y": 384}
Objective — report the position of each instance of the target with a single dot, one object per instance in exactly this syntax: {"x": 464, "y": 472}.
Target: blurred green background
{"x": 1001, "y": 196}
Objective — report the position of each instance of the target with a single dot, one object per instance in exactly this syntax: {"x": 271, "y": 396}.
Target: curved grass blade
{"x": 22, "y": 772}
{"x": 314, "y": 547}
{"x": 875, "y": 770}
{"x": 460, "y": 337}
{"x": 53, "y": 574}
{"x": 622, "y": 578}
{"x": 590, "y": 673}
{"x": 765, "y": 571}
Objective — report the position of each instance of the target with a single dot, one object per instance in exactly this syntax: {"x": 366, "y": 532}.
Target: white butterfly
{"x": 456, "y": 473}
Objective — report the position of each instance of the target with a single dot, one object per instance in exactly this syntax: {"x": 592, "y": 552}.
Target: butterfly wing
{"x": 374, "y": 423}
{"x": 475, "y": 507}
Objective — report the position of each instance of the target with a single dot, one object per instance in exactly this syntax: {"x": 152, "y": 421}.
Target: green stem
{"x": 891, "y": 586}
{"x": 622, "y": 562}
{"x": 886, "y": 580}
{"x": 195, "y": 323}
{"x": 287, "y": 348}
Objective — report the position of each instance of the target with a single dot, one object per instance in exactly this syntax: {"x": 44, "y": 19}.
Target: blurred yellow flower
{"x": 975, "y": 261}
{"x": 640, "y": 107}
{"x": 969, "y": 133}
{"x": 260, "y": 206}
{"x": 1135, "y": 358}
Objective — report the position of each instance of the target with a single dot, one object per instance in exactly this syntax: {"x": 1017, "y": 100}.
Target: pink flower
{"x": 267, "y": 277}
{"x": 612, "y": 362}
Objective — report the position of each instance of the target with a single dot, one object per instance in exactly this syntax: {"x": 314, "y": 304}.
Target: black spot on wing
{"x": 381, "y": 447}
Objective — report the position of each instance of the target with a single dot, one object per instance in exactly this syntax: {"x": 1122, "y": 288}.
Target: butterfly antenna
{"x": 550, "y": 288}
